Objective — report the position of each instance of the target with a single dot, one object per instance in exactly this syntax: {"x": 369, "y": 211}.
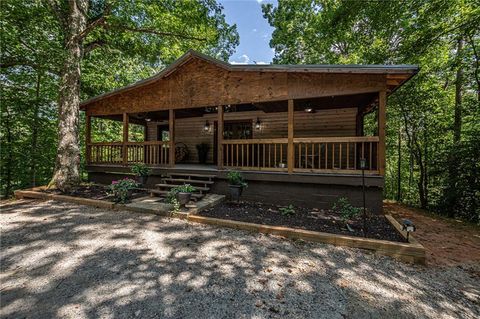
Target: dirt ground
{"x": 63, "y": 260}
{"x": 449, "y": 242}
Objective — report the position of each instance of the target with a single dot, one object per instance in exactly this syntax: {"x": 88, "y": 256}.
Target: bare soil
{"x": 449, "y": 242}
{"x": 327, "y": 221}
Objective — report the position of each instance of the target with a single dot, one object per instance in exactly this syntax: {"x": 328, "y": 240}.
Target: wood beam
{"x": 220, "y": 137}
{"x": 290, "y": 150}
{"x": 88, "y": 137}
{"x": 171, "y": 134}
{"x": 382, "y": 101}
{"x": 359, "y": 122}
{"x": 125, "y": 138}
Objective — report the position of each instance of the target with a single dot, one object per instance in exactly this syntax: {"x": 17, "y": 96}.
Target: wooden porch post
{"x": 125, "y": 138}
{"x": 382, "y": 101}
{"x": 88, "y": 137}
{"x": 220, "y": 137}
{"x": 171, "y": 134}
{"x": 290, "y": 150}
{"x": 359, "y": 122}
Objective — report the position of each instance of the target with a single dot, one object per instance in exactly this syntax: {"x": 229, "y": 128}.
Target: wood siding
{"x": 334, "y": 122}
{"x": 199, "y": 83}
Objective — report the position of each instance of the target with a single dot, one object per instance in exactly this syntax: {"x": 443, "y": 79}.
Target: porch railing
{"x": 256, "y": 154}
{"x": 154, "y": 153}
{"x": 314, "y": 155}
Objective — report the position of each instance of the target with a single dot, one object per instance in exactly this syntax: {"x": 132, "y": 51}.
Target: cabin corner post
{"x": 88, "y": 137}
{"x": 171, "y": 135}
{"x": 220, "y": 137}
{"x": 382, "y": 101}
{"x": 125, "y": 138}
{"x": 290, "y": 146}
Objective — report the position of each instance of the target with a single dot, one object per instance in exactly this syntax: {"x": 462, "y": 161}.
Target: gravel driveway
{"x": 69, "y": 261}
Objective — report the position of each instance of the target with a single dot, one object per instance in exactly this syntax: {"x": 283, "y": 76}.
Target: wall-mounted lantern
{"x": 206, "y": 127}
{"x": 308, "y": 108}
{"x": 258, "y": 124}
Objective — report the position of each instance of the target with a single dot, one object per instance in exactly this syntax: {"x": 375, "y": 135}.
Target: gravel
{"x": 62, "y": 260}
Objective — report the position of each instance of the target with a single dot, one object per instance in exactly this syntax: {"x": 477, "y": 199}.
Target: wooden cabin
{"x": 296, "y": 131}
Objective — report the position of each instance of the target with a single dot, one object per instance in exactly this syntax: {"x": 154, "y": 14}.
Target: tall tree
{"x": 86, "y": 25}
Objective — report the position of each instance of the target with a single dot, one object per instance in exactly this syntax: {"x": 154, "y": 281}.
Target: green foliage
{"x": 287, "y": 211}
{"x": 345, "y": 209}
{"x": 121, "y": 188}
{"x": 236, "y": 178}
{"x": 185, "y": 188}
{"x": 172, "y": 195}
{"x": 137, "y": 40}
{"x": 140, "y": 169}
{"x": 429, "y": 169}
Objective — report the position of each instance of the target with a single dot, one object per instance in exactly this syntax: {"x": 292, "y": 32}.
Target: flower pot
{"x": 142, "y": 179}
{"x": 183, "y": 198}
{"x": 235, "y": 192}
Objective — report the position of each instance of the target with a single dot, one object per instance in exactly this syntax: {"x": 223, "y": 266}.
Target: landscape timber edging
{"x": 411, "y": 252}
{"x": 406, "y": 252}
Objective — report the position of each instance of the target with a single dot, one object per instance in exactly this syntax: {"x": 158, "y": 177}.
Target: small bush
{"x": 236, "y": 178}
{"x": 185, "y": 188}
{"x": 287, "y": 211}
{"x": 140, "y": 169}
{"x": 121, "y": 188}
{"x": 345, "y": 209}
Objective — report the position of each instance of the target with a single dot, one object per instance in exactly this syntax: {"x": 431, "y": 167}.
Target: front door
{"x": 232, "y": 130}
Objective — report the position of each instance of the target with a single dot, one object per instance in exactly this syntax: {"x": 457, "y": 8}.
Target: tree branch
{"x": 93, "y": 45}
{"x": 152, "y": 31}
{"x": 100, "y": 20}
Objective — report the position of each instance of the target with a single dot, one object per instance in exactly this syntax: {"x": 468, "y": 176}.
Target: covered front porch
{"x": 314, "y": 136}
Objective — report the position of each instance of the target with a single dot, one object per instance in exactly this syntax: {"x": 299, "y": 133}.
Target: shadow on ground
{"x": 70, "y": 261}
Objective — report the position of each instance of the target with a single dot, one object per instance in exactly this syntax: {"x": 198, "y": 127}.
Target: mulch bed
{"x": 378, "y": 227}
{"x": 94, "y": 191}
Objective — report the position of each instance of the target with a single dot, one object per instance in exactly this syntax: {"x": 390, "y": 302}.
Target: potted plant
{"x": 122, "y": 189}
{"x": 236, "y": 184}
{"x": 141, "y": 171}
{"x": 202, "y": 150}
{"x": 183, "y": 193}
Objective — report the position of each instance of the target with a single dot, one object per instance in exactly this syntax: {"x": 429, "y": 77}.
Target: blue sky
{"x": 255, "y": 32}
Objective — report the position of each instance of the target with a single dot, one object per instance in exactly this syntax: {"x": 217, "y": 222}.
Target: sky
{"x": 255, "y": 32}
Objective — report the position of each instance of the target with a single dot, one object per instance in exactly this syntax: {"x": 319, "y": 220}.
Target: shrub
{"x": 185, "y": 188}
{"x": 120, "y": 189}
{"x": 235, "y": 178}
{"x": 287, "y": 211}
{"x": 140, "y": 169}
{"x": 345, "y": 209}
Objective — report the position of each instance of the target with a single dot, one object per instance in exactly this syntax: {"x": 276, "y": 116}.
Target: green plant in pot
{"x": 182, "y": 194}
{"x": 202, "y": 150}
{"x": 236, "y": 184}
{"x": 122, "y": 189}
{"x": 141, "y": 171}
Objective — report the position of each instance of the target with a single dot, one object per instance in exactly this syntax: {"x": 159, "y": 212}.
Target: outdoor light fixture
{"x": 408, "y": 226}
{"x": 148, "y": 119}
{"x": 363, "y": 164}
{"x": 308, "y": 108}
{"x": 258, "y": 124}
{"x": 206, "y": 127}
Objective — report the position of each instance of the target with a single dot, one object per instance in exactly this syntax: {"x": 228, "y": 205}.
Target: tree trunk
{"x": 68, "y": 153}
{"x": 9, "y": 162}
{"x": 457, "y": 124}
{"x": 399, "y": 166}
{"x": 34, "y": 128}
